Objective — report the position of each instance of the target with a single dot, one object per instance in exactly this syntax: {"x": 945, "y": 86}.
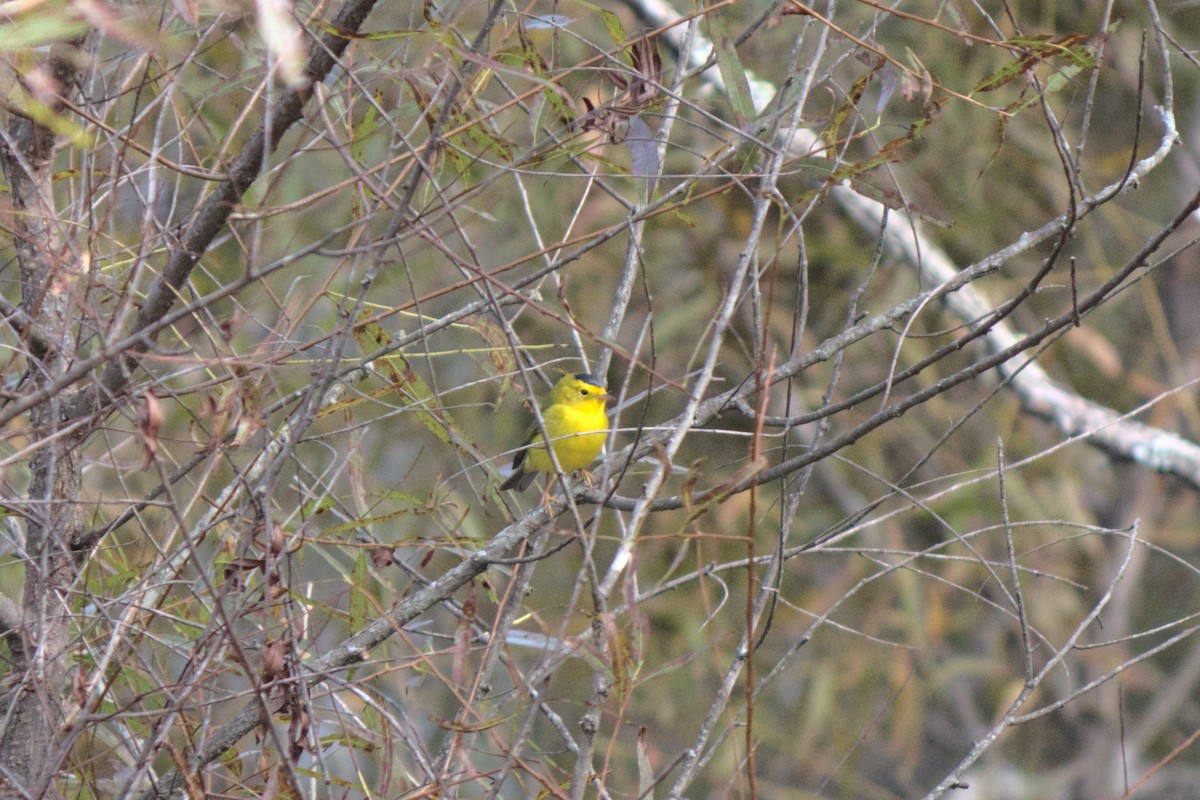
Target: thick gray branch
{"x": 211, "y": 219}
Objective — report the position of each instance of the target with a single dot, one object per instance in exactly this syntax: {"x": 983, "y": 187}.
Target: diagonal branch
{"x": 356, "y": 648}
{"x": 1102, "y": 427}
{"x": 212, "y": 217}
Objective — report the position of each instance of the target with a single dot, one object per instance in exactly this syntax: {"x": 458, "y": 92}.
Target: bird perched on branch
{"x": 574, "y": 421}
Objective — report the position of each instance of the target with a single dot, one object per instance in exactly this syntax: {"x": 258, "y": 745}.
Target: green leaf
{"x": 499, "y": 349}
{"x": 553, "y": 95}
{"x": 363, "y": 135}
{"x": 318, "y": 506}
{"x": 41, "y": 28}
{"x": 358, "y": 593}
{"x": 429, "y": 412}
{"x": 892, "y": 151}
{"x": 349, "y": 739}
{"x": 612, "y": 23}
{"x": 486, "y": 142}
{"x": 832, "y": 133}
{"x": 737, "y": 85}
{"x": 1079, "y": 51}
{"x": 373, "y": 36}
{"x": 366, "y": 522}
{"x": 405, "y": 380}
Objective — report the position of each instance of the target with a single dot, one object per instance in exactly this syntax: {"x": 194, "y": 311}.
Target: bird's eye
{"x": 583, "y": 392}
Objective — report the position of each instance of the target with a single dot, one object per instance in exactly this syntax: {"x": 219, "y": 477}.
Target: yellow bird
{"x": 575, "y": 422}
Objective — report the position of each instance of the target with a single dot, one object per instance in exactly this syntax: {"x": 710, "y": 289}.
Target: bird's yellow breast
{"x": 577, "y": 434}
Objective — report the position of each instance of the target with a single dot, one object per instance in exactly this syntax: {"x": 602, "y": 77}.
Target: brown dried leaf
{"x": 80, "y": 687}
{"x": 149, "y": 421}
{"x": 278, "y": 540}
{"x": 273, "y": 659}
{"x": 382, "y": 556}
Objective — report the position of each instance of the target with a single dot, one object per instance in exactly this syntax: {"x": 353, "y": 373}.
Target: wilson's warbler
{"x": 575, "y": 422}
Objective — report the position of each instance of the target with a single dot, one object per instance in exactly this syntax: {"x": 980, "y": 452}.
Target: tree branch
{"x": 164, "y": 292}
